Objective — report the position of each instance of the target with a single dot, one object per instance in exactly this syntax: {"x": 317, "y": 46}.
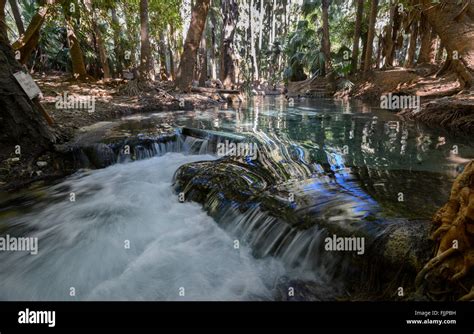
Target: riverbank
{"x": 75, "y": 106}
{"x": 444, "y": 103}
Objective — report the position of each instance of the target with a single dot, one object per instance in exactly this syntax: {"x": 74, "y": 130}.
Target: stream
{"x": 127, "y": 236}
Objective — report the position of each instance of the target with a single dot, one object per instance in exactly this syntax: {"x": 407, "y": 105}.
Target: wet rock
{"x": 100, "y": 155}
{"x": 312, "y": 206}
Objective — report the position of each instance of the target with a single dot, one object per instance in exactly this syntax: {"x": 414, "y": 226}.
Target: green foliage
{"x": 303, "y": 51}
{"x": 53, "y": 52}
{"x": 303, "y": 46}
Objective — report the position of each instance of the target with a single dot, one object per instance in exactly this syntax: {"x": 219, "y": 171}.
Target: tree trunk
{"x": 104, "y": 60}
{"x": 171, "y": 55}
{"x": 326, "y": 41}
{"x": 378, "y": 57}
{"x": 20, "y": 120}
{"x": 358, "y": 26}
{"x": 439, "y": 51}
{"x": 433, "y": 47}
{"x": 119, "y": 54}
{"x": 28, "y": 42}
{"x": 410, "y": 57}
{"x": 212, "y": 55}
{"x": 370, "y": 35}
{"x": 428, "y": 40}
{"x": 253, "y": 52}
{"x": 363, "y": 37}
{"x": 262, "y": 16}
{"x": 188, "y": 59}
{"x": 77, "y": 58}
{"x": 272, "y": 35}
{"x": 147, "y": 71}
{"x": 230, "y": 10}
{"x": 391, "y": 35}
{"x": 203, "y": 59}
{"x": 454, "y": 25}
{"x": 164, "y": 54}
{"x": 17, "y": 17}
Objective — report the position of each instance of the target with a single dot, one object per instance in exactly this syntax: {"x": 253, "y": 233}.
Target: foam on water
{"x": 173, "y": 245}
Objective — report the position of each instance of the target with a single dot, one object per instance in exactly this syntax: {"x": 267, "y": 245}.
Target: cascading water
{"x": 127, "y": 236}
{"x": 173, "y": 245}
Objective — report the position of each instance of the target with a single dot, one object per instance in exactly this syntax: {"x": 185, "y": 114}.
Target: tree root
{"x": 467, "y": 297}
{"x": 454, "y": 257}
{"x": 434, "y": 262}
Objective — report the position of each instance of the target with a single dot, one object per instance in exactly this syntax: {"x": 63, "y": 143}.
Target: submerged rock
{"x": 286, "y": 208}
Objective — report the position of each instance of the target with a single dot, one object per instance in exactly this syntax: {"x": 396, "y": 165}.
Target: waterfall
{"x": 101, "y": 155}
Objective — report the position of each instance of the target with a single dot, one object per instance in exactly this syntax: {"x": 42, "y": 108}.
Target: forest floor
{"x": 110, "y": 102}
{"x": 443, "y": 102}
{"x": 101, "y": 101}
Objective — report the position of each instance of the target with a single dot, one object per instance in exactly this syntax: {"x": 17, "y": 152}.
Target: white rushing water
{"x": 173, "y": 245}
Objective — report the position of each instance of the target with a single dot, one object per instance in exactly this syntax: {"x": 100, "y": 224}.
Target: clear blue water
{"x": 177, "y": 245}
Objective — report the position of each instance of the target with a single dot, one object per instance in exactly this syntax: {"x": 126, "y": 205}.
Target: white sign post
{"x": 31, "y": 89}
{"x": 28, "y": 84}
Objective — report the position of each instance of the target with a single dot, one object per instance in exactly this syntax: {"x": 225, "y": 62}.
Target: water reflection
{"x": 386, "y": 155}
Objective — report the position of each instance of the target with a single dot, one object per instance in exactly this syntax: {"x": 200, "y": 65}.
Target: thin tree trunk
{"x": 427, "y": 36}
{"x": 358, "y": 26}
{"x": 203, "y": 59}
{"x": 326, "y": 41}
{"x": 262, "y": 16}
{"x": 164, "y": 54}
{"x": 77, "y": 58}
{"x": 104, "y": 60}
{"x": 440, "y": 51}
{"x": 410, "y": 57}
{"x": 188, "y": 59}
{"x": 17, "y": 17}
{"x": 272, "y": 36}
{"x": 363, "y": 37}
{"x": 147, "y": 72}
{"x": 392, "y": 34}
{"x": 119, "y": 54}
{"x": 29, "y": 40}
{"x": 434, "y": 47}
{"x": 253, "y": 51}
{"x": 230, "y": 10}
{"x": 171, "y": 54}
{"x": 379, "y": 52}
{"x": 370, "y": 35}
{"x": 212, "y": 56}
